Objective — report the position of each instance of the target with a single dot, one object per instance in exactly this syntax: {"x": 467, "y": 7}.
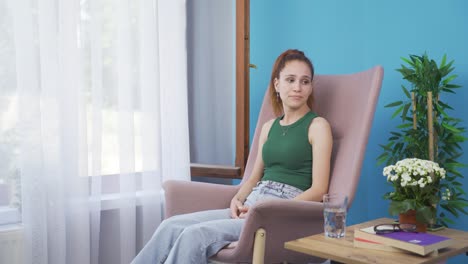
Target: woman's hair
{"x": 285, "y": 57}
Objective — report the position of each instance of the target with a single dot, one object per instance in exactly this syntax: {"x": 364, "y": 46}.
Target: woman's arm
{"x": 320, "y": 137}
{"x": 257, "y": 173}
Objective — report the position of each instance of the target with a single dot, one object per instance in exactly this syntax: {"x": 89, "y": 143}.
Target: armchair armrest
{"x": 283, "y": 220}
{"x": 186, "y": 197}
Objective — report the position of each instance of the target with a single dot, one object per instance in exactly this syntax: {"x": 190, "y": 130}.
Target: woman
{"x": 283, "y": 169}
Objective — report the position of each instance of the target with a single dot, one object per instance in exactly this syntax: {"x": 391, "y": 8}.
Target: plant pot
{"x": 410, "y": 218}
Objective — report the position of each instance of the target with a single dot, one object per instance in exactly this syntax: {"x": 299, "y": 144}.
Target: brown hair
{"x": 287, "y": 56}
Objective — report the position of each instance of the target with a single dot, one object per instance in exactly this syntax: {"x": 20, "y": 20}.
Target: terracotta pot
{"x": 410, "y": 218}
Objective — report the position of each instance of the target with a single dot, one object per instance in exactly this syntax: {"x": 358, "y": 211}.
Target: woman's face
{"x": 294, "y": 84}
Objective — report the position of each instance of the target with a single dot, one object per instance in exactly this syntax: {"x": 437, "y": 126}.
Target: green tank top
{"x": 287, "y": 153}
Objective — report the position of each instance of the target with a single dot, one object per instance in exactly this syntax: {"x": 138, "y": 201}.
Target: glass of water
{"x": 334, "y": 214}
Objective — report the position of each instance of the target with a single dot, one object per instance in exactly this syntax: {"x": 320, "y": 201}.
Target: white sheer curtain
{"x": 102, "y": 121}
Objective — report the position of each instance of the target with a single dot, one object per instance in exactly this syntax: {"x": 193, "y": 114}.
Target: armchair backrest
{"x": 266, "y": 113}
{"x": 348, "y": 103}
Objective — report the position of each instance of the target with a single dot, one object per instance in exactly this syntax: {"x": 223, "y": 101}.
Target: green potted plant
{"x": 428, "y": 132}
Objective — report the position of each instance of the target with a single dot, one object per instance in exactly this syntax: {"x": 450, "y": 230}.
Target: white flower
{"x": 414, "y": 172}
{"x": 446, "y": 195}
{"x": 429, "y": 179}
{"x": 387, "y": 170}
{"x": 442, "y": 173}
{"x": 422, "y": 182}
{"x": 414, "y": 167}
{"x": 406, "y": 177}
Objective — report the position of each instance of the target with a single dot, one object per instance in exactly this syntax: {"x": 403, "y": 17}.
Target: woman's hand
{"x": 237, "y": 208}
{"x": 244, "y": 211}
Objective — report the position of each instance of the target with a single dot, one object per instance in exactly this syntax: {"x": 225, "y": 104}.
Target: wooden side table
{"x": 342, "y": 249}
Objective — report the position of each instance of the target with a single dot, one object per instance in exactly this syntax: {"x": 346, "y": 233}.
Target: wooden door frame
{"x": 242, "y": 82}
{"x": 242, "y": 101}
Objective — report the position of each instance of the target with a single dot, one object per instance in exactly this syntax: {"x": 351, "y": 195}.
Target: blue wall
{"x": 350, "y": 36}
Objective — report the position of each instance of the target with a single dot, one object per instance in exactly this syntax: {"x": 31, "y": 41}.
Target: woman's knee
{"x": 171, "y": 223}
{"x": 194, "y": 233}
{"x": 175, "y": 219}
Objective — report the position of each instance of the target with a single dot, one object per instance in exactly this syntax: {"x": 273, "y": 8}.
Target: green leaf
{"x": 381, "y": 159}
{"x": 460, "y": 190}
{"x": 441, "y": 110}
{"x": 407, "y": 93}
{"x": 448, "y": 220}
{"x": 385, "y": 154}
{"x": 449, "y": 209}
{"x": 452, "y": 86}
{"x": 394, "y": 104}
{"x": 405, "y": 125}
{"x": 397, "y": 207}
{"x": 448, "y": 91}
{"x": 407, "y": 61}
{"x": 405, "y": 111}
{"x": 398, "y": 111}
{"x": 444, "y": 105}
{"x": 449, "y": 79}
{"x": 451, "y": 128}
{"x": 424, "y": 214}
{"x": 444, "y": 59}
{"x": 458, "y": 204}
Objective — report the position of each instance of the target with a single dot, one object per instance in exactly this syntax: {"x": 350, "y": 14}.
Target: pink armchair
{"x": 348, "y": 102}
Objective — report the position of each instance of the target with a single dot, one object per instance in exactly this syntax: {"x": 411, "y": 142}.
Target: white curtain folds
{"x": 101, "y": 91}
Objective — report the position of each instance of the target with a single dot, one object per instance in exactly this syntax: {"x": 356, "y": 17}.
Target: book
{"x": 419, "y": 243}
{"x": 368, "y": 244}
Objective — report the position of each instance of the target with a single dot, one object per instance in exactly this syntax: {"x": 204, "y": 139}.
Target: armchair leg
{"x": 259, "y": 247}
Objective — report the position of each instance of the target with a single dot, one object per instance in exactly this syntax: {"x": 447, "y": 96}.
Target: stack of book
{"x": 419, "y": 243}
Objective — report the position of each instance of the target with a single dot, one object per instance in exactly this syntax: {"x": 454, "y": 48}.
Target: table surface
{"x": 342, "y": 249}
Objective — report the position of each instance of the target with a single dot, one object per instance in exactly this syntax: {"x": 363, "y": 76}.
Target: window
{"x": 101, "y": 46}
{"x": 10, "y": 190}
{"x": 99, "y": 78}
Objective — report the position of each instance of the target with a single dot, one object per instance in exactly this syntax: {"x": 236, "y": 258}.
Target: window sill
{"x": 9, "y": 215}
{"x": 114, "y": 200}
{"x": 11, "y": 227}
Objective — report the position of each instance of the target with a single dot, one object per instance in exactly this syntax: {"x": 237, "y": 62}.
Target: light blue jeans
{"x": 195, "y": 237}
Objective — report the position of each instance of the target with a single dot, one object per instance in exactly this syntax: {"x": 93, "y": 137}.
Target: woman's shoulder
{"x": 320, "y": 131}
{"x": 266, "y": 129}
{"x": 319, "y": 123}
{"x": 267, "y": 125}
{"x": 319, "y": 120}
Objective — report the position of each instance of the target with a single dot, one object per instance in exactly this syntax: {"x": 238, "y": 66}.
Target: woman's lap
{"x": 271, "y": 190}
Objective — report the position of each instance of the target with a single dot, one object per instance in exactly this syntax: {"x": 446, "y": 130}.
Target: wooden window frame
{"x": 242, "y": 102}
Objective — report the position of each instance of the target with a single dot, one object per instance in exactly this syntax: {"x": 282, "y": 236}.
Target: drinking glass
{"x": 334, "y": 214}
